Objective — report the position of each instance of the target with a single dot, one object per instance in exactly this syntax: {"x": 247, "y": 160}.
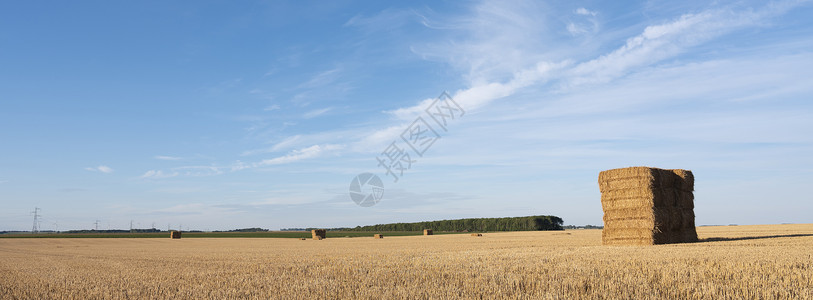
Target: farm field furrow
{"x": 765, "y": 262}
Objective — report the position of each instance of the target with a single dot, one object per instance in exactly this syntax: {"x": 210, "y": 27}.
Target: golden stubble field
{"x": 734, "y": 262}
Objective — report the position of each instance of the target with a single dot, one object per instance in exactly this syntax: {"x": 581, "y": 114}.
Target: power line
{"x": 35, "y": 228}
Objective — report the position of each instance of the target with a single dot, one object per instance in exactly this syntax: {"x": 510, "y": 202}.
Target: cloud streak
{"x": 165, "y": 157}
{"x": 487, "y": 56}
{"x": 102, "y": 169}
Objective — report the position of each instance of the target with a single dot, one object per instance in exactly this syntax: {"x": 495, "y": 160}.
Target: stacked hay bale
{"x": 427, "y": 232}
{"x": 647, "y": 206}
{"x": 378, "y": 236}
{"x": 318, "y": 234}
{"x": 476, "y": 234}
{"x": 175, "y": 234}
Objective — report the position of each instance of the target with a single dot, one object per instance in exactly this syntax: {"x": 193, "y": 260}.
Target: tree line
{"x": 473, "y": 224}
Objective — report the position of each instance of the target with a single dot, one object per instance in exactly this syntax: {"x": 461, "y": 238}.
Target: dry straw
{"x": 427, "y": 232}
{"x": 318, "y": 234}
{"x": 175, "y": 234}
{"x": 378, "y": 236}
{"x": 476, "y": 234}
{"x": 647, "y": 206}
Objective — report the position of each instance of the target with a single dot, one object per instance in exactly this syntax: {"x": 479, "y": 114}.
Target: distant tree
{"x": 473, "y": 224}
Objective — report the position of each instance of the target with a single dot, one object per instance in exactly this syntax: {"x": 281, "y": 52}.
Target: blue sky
{"x": 220, "y": 115}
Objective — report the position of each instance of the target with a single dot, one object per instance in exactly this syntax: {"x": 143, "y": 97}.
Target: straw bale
{"x": 654, "y": 197}
{"x": 476, "y": 234}
{"x": 637, "y": 177}
{"x": 427, "y": 232}
{"x": 378, "y": 236}
{"x": 318, "y": 233}
{"x": 647, "y": 206}
{"x": 175, "y": 234}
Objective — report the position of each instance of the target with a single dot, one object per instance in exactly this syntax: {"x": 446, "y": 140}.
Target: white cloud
{"x": 158, "y": 174}
{"x": 300, "y": 154}
{"x": 272, "y": 107}
{"x": 585, "y": 12}
{"x": 198, "y": 170}
{"x": 489, "y": 55}
{"x": 102, "y": 168}
{"x": 321, "y": 79}
{"x": 286, "y": 143}
{"x": 378, "y": 139}
{"x": 316, "y": 112}
{"x": 165, "y": 157}
{"x": 193, "y": 171}
{"x": 576, "y": 29}
{"x": 386, "y": 20}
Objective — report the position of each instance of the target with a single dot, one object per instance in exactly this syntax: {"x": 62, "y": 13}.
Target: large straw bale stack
{"x": 378, "y": 236}
{"x": 427, "y": 232}
{"x": 647, "y": 206}
{"x": 175, "y": 234}
{"x": 318, "y": 234}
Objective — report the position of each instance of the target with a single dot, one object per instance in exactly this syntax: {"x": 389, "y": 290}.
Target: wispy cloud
{"x": 321, "y": 79}
{"x": 383, "y": 21}
{"x": 158, "y": 174}
{"x": 497, "y": 49}
{"x": 286, "y": 143}
{"x": 300, "y": 154}
{"x": 102, "y": 168}
{"x": 317, "y": 112}
{"x": 194, "y": 171}
{"x": 166, "y": 157}
{"x": 272, "y": 107}
{"x": 295, "y": 155}
{"x": 585, "y": 12}
{"x": 584, "y": 23}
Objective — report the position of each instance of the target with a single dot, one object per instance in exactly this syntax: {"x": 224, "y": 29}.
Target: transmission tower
{"x": 96, "y": 225}
{"x": 35, "y": 228}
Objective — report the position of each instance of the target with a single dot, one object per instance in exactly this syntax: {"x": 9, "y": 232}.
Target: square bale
{"x": 318, "y": 234}
{"x": 647, "y": 206}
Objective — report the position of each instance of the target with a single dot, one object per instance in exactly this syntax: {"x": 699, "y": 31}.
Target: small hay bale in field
{"x": 427, "y": 232}
{"x": 378, "y": 236}
{"x": 647, "y": 206}
{"x": 175, "y": 234}
{"x": 303, "y": 239}
{"x": 476, "y": 234}
{"x": 320, "y": 233}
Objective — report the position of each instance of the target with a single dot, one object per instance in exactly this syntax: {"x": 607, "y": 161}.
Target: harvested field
{"x": 769, "y": 262}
